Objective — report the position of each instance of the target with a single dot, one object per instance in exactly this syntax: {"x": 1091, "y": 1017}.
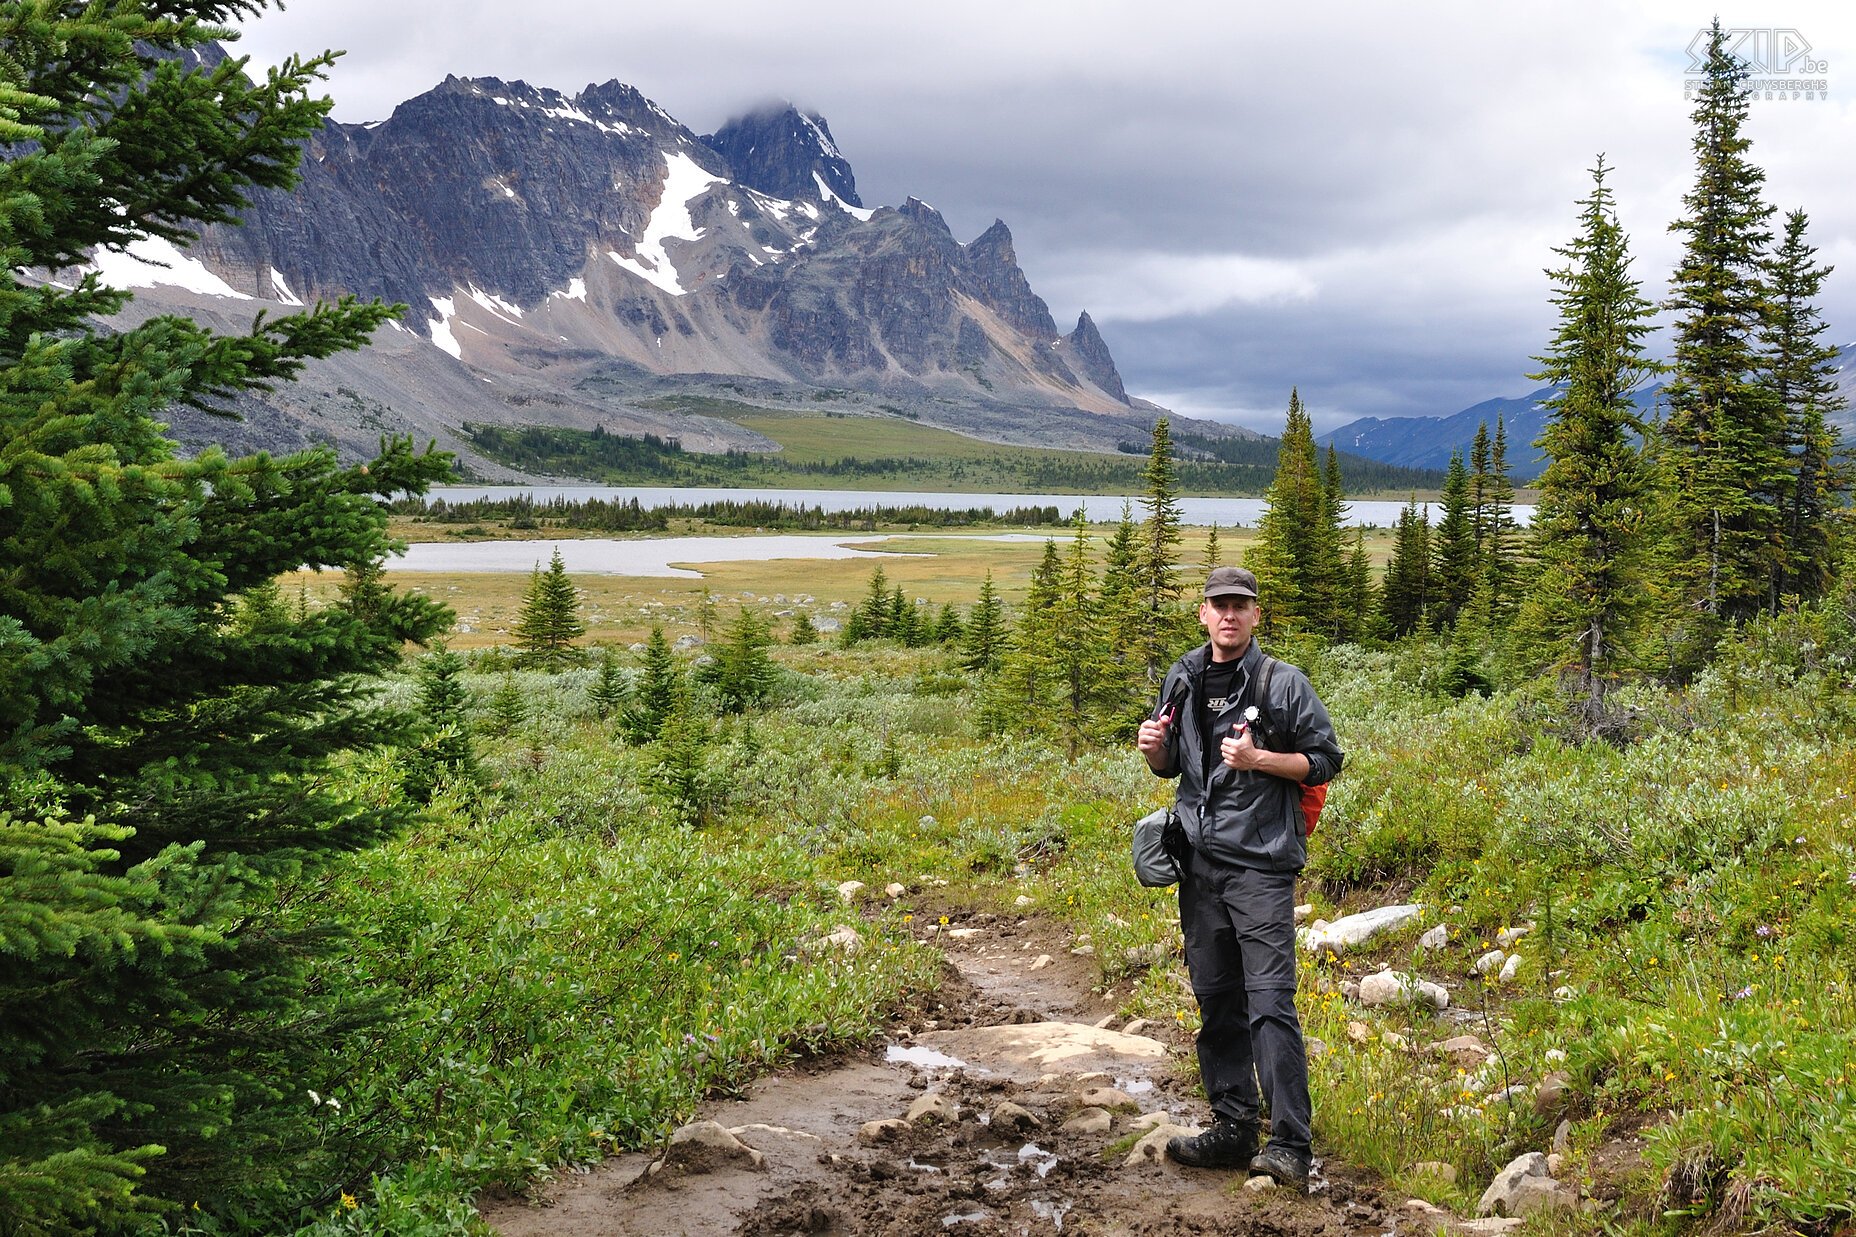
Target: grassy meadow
{"x": 570, "y": 965}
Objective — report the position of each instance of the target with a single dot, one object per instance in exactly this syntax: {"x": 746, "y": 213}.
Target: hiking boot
{"x": 1227, "y": 1144}
{"x": 1282, "y": 1165}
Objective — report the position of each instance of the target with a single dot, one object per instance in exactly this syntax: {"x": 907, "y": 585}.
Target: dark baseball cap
{"x": 1230, "y": 582}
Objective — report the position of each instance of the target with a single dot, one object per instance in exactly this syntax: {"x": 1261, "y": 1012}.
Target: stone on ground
{"x": 704, "y": 1147}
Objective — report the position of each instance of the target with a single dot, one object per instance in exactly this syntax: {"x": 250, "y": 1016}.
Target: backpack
{"x": 1313, "y": 798}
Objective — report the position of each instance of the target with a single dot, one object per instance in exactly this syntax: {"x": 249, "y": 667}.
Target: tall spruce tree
{"x": 550, "y": 620}
{"x": 655, "y": 694}
{"x": 1330, "y": 589}
{"x": 1404, "y": 595}
{"x": 1725, "y": 432}
{"x": 1079, "y": 650}
{"x": 1287, "y": 552}
{"x": 1454, "y": 558}
{"x": 1499, "y": 530}
{"x": 1023, "y": 697}
{"x": 1802, "y": 372}
{"x": 1593, "y": 535}
{"x": 984, "y": 641}
{"x": 1124, "y": 623}
{"x": 166, "y": 776}
{"x": 1158, "y": 571}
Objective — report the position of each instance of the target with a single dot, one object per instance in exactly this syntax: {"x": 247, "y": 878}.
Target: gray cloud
{"x": 1358, "y": 200}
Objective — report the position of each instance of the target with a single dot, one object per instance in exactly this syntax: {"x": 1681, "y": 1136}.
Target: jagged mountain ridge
{"x": 551, "y": 248}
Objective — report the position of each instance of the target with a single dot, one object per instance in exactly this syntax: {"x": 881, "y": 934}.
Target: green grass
{"x": 570, "y": 970}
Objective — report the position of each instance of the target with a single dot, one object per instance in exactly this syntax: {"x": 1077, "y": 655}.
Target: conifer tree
{"x": 1498, "y": 565}
{"x": 550, "y": 620}
{"x": 1404, "y": 596}
{"x": 948, "y": 628}
{"x": 609, "y": 689}
{"x": 985, "y": 635}
{"x": 1124, "y": 622}
{"x": 164, "y": 773}
{"x": 1079, "y": 654}
{"x": 506, "y": 711}
{"x": 1023, "y": 695}
{"x": 1211, "y": 557}
{"x": 655, "y": 692}
{"x": 804, "y": 632}
{"x": 445, "y": 752}
{"x": 1725, "y": 431}
{"x": 742, "y": 672}
{"x": 1158, "y": 578}
{"x": 1593, "y": 534}
{"x": 1802, "y": 372}
{"x": 1288, "y": 551}
{"x": 1328, "y": 596}
{"x": 1361, "y": 603}
{"x": 1453, "y": 549}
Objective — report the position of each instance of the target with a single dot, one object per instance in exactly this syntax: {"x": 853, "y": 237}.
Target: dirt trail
{"x": 987, "y": 1171}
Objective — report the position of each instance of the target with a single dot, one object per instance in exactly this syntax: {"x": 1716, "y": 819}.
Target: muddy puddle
{"x": 1029, "y": 1104}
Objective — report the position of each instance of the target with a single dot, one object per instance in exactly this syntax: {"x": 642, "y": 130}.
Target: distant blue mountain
{"x": 1428, "y": 442}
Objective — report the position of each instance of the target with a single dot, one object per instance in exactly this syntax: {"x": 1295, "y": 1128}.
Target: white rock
{"x": 1500, "y": 1197}
{"x": 1022, "y": 901}
{"x": 1563, "y": 993}
{"x": 933, "y": 1106}
{"x": 1435, "y": 938}
{"x": 1260, "y": 1184}
{"x": 1084, "y": 951}
{"x": 1109, "y": 1098}
{"x": 842, "y": 937}
{"x": 895, "y": 889}
{"x": 1148, "y": 1120}
{"x": 1088, "y": 1121}
{"x": 1491, "y": 1227}
{"x": 1350, "y": 990}
{"x": 964, "y": 934}
{"x": 1398, "y": 988}
{"x": 1418, "y": 1206}
{"x": 1436, "y": 1170}
{"x": 1490, "y": 962}
{"x": 1042, "y": 961}
{"x": 1304, "y": 911}
{"x": 1555, "y": 1055}
{"x": 1508, "y": 936}
{"x": 1010, "y": 1116}
{"x": 1138, "y": 1026}
{"x": 1350, "y": 930}
{"x": 881, "y": 1131}
{"x": 1510, "y": 969}
{"x": 1152, "y": 1147}
{"x": 848, "y": 890}
{"x": 704, "y": 1146}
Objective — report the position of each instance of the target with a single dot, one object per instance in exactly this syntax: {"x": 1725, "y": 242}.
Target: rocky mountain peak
{"x": 1090, "y": 354}
{"x": 995, "y": 268}
{"x": 785, "y": 153}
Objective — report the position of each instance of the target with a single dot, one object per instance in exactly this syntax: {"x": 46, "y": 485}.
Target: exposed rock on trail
{"x": 1004, "y": 1110}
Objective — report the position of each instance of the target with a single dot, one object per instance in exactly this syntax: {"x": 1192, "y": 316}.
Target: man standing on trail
{"x": 1239, "y": 805}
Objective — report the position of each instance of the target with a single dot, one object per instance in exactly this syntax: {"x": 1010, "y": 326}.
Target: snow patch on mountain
{"x": 153, "y": 260}
{"x": 861, "y": 213}
{"x": 441, "y": 325}
{"x": 282, "y": 288}
{"x": 684, "y": 179}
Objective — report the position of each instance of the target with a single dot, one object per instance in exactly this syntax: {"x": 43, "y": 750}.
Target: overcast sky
{"x": 1356, "y": 199}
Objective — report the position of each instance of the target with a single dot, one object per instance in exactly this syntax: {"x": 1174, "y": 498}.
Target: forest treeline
{"x": 1231, "y": 466}
{"x": 525, "y": 511}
